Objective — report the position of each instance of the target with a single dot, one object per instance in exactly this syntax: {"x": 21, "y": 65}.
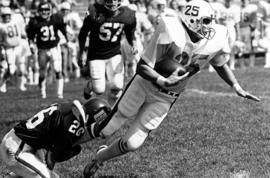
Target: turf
{"x": 210, "y": 132}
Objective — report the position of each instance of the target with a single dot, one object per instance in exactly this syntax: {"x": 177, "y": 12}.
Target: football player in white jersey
{"x": 247, "y": 25}
{"x": 193, "y": 42}
{"x": 230, "y": 17}
{"x": 12, "y": 32}
{"x": 264, "y": 18}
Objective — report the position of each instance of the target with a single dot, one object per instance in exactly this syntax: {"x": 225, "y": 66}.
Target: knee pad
{"x": 99, "y": 86}
{"x": 133, "y": 141}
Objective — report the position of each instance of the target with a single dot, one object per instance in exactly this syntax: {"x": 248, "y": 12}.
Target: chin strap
{"x": 78, "y": 111}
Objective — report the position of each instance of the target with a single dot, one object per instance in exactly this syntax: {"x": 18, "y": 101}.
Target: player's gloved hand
{"x": 134, "y": 50}
{"x": 50, "y": 160}
{"x": 240, "y": 92}
{"x": 172, "y": 80}
{"x": 32, "y": 48}
{"x": 80, "y": 59}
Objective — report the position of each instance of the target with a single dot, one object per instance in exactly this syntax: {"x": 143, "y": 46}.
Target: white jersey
{"x": 11, "y": 32}
{"x": 171, "y": 40}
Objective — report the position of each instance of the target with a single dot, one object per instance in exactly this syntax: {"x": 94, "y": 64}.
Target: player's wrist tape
{"x": 236, "y": 87}
{"x": 160, "y": 81}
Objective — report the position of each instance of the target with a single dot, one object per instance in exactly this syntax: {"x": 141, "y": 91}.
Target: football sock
{"x": 110, "y": 152}
{"x": 60, "y": 87}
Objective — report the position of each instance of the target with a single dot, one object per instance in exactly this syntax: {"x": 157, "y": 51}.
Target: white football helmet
{"x": 198, "y": 16}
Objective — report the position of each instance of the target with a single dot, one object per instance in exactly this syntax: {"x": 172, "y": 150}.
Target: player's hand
{"x": 240, "y": 92}
{"x": 50, "y": 162}
{"x": 134, "y": 50}
{"x": 80, "y": 59}
{"x": 173, "y": 79}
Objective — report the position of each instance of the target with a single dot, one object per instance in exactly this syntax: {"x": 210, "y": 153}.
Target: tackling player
{"x": 54, "y": 134}
{"x": 106, "y": 23}
{"x": 193, "y": 42}
{"x": 43, "y": 30}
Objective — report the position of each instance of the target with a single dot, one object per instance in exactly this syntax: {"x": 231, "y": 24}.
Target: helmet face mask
{"x": 45, "y": 10}
{"x": 6, "y": 18}
{"x": 112, "y": 5}
{"x": 198, "y": 17}
{"x": 96, "y": 110}
{"x": 5, "y": 14}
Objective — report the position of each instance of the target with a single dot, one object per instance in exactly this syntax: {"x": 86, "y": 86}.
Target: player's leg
{"x": 21, "y": 68}
{"x": 149, "y": 118}
{"x": 64, "y": 56}
{"x": 74, "y": 63}
{"x": 125, "y": 109}
{"x": 267, "y": 54}
{"x": 97, "y": 82}
{"x": 57, "y": 65}
{"x": 115, "y": 76}
{"x": 3, "y": 71}
{"x": 43, "y": 66}
{"x": 232, "y": 38}
{"x": 20, "y": 158}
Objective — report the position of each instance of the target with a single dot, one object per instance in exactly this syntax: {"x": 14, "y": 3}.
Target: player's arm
{"x": 85, "y": 29}
{"x": 228, "y": 76}
{"x": 149, "y": 73}
{"x": 130, "y": 34}
{"x": 30, "y": 30}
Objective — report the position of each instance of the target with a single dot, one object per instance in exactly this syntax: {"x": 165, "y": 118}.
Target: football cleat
{"x": 87, "y": 91}
{"x": 91, "y": 168}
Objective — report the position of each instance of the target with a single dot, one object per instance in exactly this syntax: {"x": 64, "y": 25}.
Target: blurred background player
{"x": 247, "y": 24}
{"x": 15, "y": 51}
{"x": 43, "y": 31}
{"x": 143, "y": 33}
{"x": 230, "y": 17}
{"x": 264, "y": 28}
{"x": 32, "y": 147}
{"x": 106, "y": 23}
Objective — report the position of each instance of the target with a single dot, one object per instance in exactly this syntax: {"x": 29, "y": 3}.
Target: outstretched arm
{"x": 227, "y": 75}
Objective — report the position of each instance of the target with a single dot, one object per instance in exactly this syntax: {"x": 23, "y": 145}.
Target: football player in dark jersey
{"x": 106, "y": 23}
{"x": 43, "y": 30}
{"x": 54, "y": 134}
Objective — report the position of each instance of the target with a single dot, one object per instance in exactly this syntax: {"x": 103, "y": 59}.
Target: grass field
{"x": 210, "y": 132}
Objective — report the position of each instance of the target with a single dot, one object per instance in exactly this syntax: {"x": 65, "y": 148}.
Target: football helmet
{"x": 6, "y": 14}
{"x": 198, "y": 17}
{"x": 96, "y": 109}
{"x": 112, "y": 5}
{"x": 44, "y": 10}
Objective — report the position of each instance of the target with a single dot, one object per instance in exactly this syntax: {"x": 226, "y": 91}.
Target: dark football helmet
{"x": 45, "y": 10}
{"x": 96, "y": 109}
{"x": 112, "y": 5}
{"x": 6, "y": 14}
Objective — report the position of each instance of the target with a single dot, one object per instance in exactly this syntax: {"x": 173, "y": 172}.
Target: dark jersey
{"x": 45, "y": 32}
{"x": 106, "y": 31}
{"x": 52, "y": 128}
